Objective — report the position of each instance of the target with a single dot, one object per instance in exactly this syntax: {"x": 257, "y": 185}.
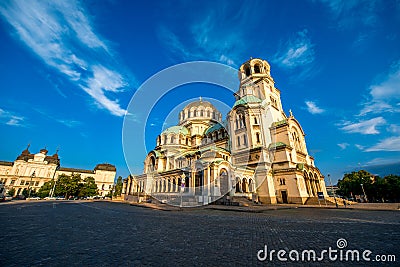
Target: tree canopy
{"x": 72, "y": 185}
{"x": 375, "y": 187}
{"x": 118, "y": 187}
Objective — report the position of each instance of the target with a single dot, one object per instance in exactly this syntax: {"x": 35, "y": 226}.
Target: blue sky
{"x": 70, "y": 68}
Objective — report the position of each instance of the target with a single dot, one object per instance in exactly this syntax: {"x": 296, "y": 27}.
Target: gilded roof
{"x": 199, "y": 103}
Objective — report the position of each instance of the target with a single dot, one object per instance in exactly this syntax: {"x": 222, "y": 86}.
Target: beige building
{"x": 258, "y": 152}
{"x": 33, "y": 170}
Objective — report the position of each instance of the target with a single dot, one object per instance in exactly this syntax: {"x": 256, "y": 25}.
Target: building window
{"x": 37, "y": 183}
{"x": 255, "y": 120}
{"x": 257, "y": 69}
{"x": 12, "y": 182}
{"x": 22, "y": 182}
{"x": 201, "y": 113}
{"x": 238, "y": 141}
{"x": 273, "y": 102}
{"x": 258, "y": 137}
{"x": 247, "y": 71}
{"x": 244, "y": 140}
{"x": 282, "y": 181}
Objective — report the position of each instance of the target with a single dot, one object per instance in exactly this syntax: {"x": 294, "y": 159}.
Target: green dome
{"x": 213, "y": 128}
{"x": 176, "y": 130}
{"x": 247, "y": 99}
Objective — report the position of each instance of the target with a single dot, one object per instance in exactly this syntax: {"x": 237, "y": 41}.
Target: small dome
{"x": 214, "y": 128}
{"x": 200, "y": 103}
{"x": 176, "y": 130}
{"x": 247, "y": 99}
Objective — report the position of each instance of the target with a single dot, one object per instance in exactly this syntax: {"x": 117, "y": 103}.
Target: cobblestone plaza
{"x": 46, "y": 233}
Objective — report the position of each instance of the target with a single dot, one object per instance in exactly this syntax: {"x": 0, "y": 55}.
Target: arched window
{"x": 172, "y": 139}
{"x": 258, "y": 137}
{"x": 257, "y": 69}
{"x": 255, "y": 120}
{"x": 244, "y": 185}
{"x": 247, "y": 71}
{"x": 238, "y": 187}
{"x": 201, "y": 113}
{"x": 208, "y": 113}
{"x": 195, "y": 113}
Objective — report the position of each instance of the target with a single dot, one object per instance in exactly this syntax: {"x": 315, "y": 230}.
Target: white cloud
{"x": 381, "y": 161}
{"x": 384, "y": 96}
{"x": 388, "y": 144}
{"x": 349, "y": 14}
{"x": 296, "y": 52}
{"x": 313, "y": 108}
{"x": 343, "y": 145}
{"x": 364, "y": 127}
{"x": 60, "y": 33}
{"x": 393, "y": 128}
{"x": 67, "y": 122}
{"x": 360, "y": 147}
{"x": 213, "y": 35}
{"x": 10, "y": 118}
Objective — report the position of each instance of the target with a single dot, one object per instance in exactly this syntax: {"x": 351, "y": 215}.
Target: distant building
{"x": 258, "y": 152}
{"x": 33, "y": 170}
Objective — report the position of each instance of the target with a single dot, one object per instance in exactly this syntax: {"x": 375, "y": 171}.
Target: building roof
{"x": 247, "y": 99}
{"x": 6, "y": 163}
{"x": 105, "y": 167}
{"x": 213, "y": 128}
{"x": 176, "y": 130}
{"x": 74, "y": 170}
{"x": 199, "y": 103}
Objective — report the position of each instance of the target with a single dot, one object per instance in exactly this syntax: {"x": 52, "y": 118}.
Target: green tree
{"x": 25, "y": 192}
{"x": 88, "y": 187}
{"x": 44, "y": 191}
{"x": 118, "y": 187}
{"x": 351, "y": 184}
{"x": 11, "y": 192}
{"x": 68, "y": 185}
{"x": 392, "y": 187}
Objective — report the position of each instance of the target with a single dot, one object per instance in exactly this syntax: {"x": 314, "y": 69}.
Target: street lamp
{"x": 334, "y": 195}
{"x": 365, "y": 195}
{"x": 30, "y": 183}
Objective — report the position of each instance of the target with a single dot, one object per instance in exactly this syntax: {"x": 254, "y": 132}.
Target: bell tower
{"x": 257, "y": 107}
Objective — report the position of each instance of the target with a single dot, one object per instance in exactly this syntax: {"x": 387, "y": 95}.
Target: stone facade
{"x": 33, "y": 170}
{"x": 258, "y": 152}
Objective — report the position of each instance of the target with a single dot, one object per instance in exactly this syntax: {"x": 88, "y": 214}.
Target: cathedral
{"x": 257, "y": 151}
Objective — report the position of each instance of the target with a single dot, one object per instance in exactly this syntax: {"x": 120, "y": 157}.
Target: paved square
{"x": 114, "y": 234}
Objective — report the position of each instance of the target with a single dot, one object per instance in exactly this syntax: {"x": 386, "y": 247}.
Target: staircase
{"x": 330, "y": 201}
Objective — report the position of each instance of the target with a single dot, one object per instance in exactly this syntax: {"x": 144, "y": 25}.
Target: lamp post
{"x": 365, "y": 195}
{"x": 30, "y": 183}
{"x": 334, "y": 195}
{"x": 51, "y": 194}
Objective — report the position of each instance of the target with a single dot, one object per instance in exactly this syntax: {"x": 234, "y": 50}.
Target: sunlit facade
{"x": 31, "y": 171}
{"x": 257, "y": 151}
